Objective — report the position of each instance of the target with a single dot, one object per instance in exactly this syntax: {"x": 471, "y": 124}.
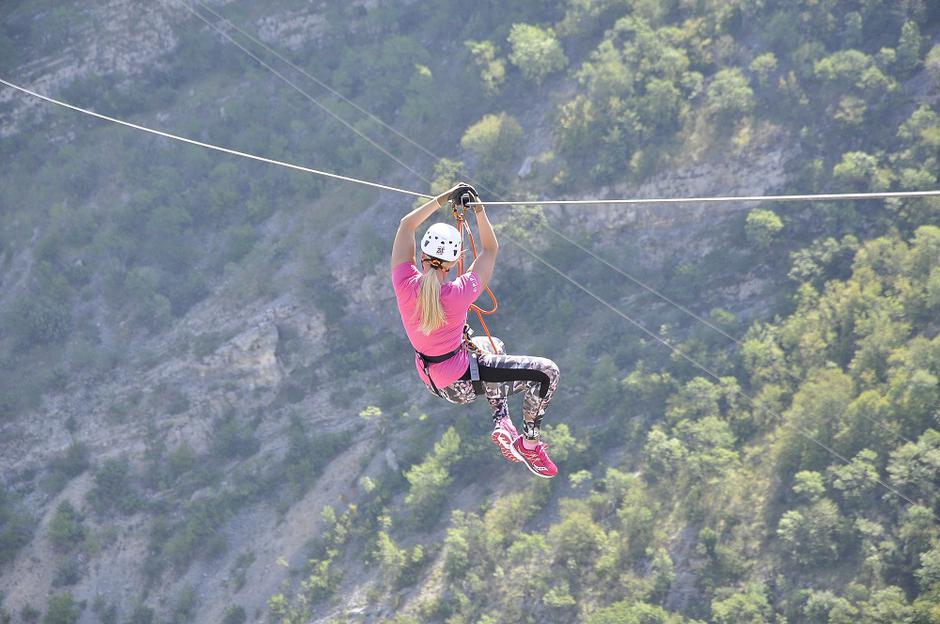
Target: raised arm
{"x": 403, "y": 249}
{"x": 486, "y": 261}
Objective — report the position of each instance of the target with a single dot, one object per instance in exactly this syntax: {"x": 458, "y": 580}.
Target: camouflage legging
{"x": 503, "y": 375}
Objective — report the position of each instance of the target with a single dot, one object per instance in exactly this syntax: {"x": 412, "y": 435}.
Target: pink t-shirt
{"x": 456, "y": 297}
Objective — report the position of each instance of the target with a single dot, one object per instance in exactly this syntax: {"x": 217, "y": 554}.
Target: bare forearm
{"x": 419, "y": 215}
{"x": 487, "y": 235}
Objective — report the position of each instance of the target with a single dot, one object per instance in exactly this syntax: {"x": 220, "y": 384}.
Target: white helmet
{"x": 442, "y": 241}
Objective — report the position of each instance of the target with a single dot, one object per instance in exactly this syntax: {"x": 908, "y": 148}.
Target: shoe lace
{"x": 541, "y": 450}
{"x": 538, "y": 451}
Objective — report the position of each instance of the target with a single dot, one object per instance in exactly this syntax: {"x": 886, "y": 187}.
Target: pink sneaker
{"x": 536, "y": 460}
{"x": 503, "y": 435}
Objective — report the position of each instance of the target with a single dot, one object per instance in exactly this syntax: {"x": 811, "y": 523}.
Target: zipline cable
{"x": 299, "y": 90}
{"x": 478, "y": 310}
{"x": 818, "y": 197}
{"x": 210, "y": 146}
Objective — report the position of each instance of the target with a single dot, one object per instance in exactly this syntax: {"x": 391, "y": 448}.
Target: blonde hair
{"x": 429, "y": 299}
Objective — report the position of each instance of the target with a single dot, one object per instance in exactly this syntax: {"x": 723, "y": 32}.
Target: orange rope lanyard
{"x": 463, "y": 226}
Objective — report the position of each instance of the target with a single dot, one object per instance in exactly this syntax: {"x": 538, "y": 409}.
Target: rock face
{"x": 754, "y": 173}
{"x": 113, "y": 38}
{"x": 251, "y": 355}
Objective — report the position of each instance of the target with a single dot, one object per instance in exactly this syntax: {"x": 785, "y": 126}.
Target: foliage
{"x": 235, "y": 614}
{"x": 932, "y": 63}
{"x": 748, "y": 607}
{"x": 729, "y": 97}
{"x": 429, "y": 480}
{"x": 495, "y": 141}
{"x": 62, "y": 609}
{"x": 113, "y": 488}
{"x": 632, "y": 613}
{"x": 492, "y": 68}
{"x": 65, "y": 529}
{"x": 762, "y": 227}
{"x": 16, "y": 526}
{"x": 535, "y": 51}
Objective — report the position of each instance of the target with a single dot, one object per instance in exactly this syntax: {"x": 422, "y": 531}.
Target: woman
{"x": 434, "y": 313}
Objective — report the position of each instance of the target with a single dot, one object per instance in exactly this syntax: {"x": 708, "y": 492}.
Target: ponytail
{"x": 429, "y": 303}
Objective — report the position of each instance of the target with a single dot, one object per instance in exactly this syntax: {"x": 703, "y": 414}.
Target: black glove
{"x": 464, "y": 193}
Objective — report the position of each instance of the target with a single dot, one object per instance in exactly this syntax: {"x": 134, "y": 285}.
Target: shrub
{"x": 495, "y": 140}
{"x": 535, "y": 51}
{"x": 492, "y": 69}
{"x": 66, "y": 530}
{"x": 729, "y": 97}
{"x": 113, "y": 488}
{"x": 932, "y": 63}
{"x": 16, "y": 527}
{"x": 762, "y": 227}
{"x": 235, "y": 614}
{"x": 69, "y": 573}
{"x": 62, "y": 609}
{"x": 428, "y": 481}
{"x": 40, "y": 319}
{"x": 232, "y": 439}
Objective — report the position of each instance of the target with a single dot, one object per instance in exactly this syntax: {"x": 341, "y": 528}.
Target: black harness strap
{"x": 427, "y": 360}
{"x": 473, "y": 371}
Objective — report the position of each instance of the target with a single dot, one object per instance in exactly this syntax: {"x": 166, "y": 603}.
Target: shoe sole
{"x": 503, "y": 441}
{"x": 519, "y": 457}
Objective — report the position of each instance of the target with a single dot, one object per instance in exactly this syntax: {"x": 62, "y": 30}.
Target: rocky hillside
{"x": 207, "y": 408}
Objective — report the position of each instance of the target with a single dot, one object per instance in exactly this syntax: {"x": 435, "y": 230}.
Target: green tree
{"x": 492, "y": 68}
{"x": 535, "y": 51}
{"x": 928, "y": 575}
{"x": 919, "y": 530}
{"x": 62, "y": 609}
{"x": 113, "y": 488}
{"x": 626, "y": 612}
{"x": 729, "y": 97}
{"x": 16, "y": 527}
{"x": 909, "y": 47}
{"x": 764, "y": 66}
{"x": 65, "y": 529}
{"x": 821, "y": 605}
{"x": 747, "y": 607}
{"x": 43, "y": 317}
{"x": 428, "y": 481}
{"x": 887, "y": 606}
{"x": 932, "y": 63}
{"x": 235, "y": 614}
{"x": 762, "y": 227}
{"x": 576, "y": 540}
{"x": 151, "y": 308}
{"x": 495, "y": 141}
{"x": 663, "y": 455}
{"x": 915, "y": 467}
{"x": 857, "y": 481}
{"x": 808, "y": 486}
{"x": 861, "y": 172}
{"x": 812, "y": 535}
